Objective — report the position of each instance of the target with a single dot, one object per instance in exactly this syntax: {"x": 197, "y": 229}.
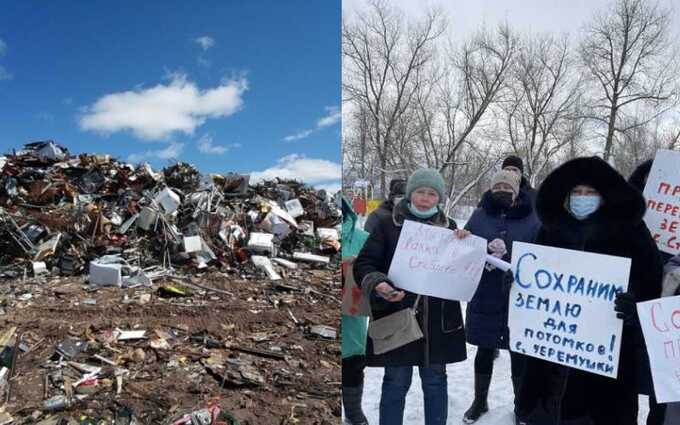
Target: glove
{"x": 624, "y": 305}
{"x": 497, "y": 248}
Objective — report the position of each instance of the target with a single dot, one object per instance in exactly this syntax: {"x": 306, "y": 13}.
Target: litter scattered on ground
{"x": 129, "y": 296}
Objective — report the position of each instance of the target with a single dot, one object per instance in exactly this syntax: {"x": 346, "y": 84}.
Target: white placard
{"x": 662, "y": 194}
{"x": 561, "y": 306}
{"x": 431, "y": 260}
{"x": 660, "y": 321}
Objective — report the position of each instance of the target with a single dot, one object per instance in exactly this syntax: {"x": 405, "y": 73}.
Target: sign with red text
{"x": 662, "y": 193}
{"x": 660, "y": 322}
{"x": 431, "y": 260}
{"x": 561, "y": 306}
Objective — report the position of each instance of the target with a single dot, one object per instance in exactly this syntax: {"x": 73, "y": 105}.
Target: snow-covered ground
{"x": 461, "y": 393}
{"x": 461, "y": 390}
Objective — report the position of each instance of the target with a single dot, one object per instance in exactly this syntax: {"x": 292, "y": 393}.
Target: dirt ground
{"x": 248, "y": 345}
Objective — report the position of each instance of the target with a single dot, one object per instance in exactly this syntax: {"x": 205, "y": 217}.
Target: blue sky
{"x": 246, "y": 86}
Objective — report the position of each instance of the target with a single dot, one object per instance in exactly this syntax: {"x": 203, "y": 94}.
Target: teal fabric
{"x": 354, "y": 328}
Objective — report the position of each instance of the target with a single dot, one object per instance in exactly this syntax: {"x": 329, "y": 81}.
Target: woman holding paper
{"x": 440, "y": 321}
{"x": 504, "y": 215}
{"x": 638, "y": 179}
{"x": 586, "y": 205}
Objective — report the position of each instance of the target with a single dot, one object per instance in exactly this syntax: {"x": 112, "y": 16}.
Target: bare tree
{"x": 356, "y": 152}
{"x": 381, "y": 57}
{"x": 542, "y": 112}
{"x": 451, "y": 103}
{"x": 626, "y": 52}
{"x": 643, "y": 140}
{"x": 481, "y": 64}
{"x": 476, "y": 159}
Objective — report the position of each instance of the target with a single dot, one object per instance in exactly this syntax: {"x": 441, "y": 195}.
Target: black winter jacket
{"x": 526, "y": 187}
{"x": 550, "y": 392}
{"x": 440, "y": 320}
{"x": 383, "y": 212}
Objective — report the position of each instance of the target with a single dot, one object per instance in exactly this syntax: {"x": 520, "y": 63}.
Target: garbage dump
{"x": 134, "y": 296}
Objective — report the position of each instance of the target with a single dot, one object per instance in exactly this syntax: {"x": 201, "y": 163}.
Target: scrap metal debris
{"x": 130, "y": 296}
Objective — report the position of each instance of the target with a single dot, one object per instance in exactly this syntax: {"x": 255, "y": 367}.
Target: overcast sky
{"x": 535, "y": 16}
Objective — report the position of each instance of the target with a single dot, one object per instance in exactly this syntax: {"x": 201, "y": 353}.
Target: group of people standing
{"x": 583, "y": 205}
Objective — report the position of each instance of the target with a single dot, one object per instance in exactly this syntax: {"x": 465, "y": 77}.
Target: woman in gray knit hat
{"x": 505, "y": 215}
{"x": 440, "y": 320}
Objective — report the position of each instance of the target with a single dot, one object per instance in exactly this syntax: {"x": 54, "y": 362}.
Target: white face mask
{"x": 582, "y": 206}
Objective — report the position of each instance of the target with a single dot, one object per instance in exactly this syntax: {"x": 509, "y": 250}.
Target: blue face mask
{"x": 422, "y": 214}
{"x": 581, "y": 206}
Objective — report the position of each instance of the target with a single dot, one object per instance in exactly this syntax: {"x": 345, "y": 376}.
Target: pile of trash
{"x": 124, "y": 225}
{"x": 139, "y": 297}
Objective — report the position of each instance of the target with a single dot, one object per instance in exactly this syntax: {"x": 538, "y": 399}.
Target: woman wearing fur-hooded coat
{"x": 657, "y": 411}
{"x": 552, "y": 394}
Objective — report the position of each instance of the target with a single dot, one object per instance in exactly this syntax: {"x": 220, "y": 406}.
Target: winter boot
{"x": 351, "y": 401}
{"x": 515, "y": 388}
{"x": 479, "y": 405}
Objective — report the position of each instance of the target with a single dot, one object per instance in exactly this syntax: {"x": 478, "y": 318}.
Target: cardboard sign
{"x": 660, "y": 321}
{"x": 561, "y": 306}
{"x": 431, "y": 260}
{"x": 662, "y": 194}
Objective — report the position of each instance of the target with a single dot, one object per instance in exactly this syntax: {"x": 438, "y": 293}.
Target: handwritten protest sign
{"x": 662, "y": 193}
{"x": 660, "y": 321}
{"x": 431, "y": 260}
{"x": 561, "y": 306}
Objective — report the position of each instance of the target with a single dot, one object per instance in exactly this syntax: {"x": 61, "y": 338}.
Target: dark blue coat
{"x": 486, "y": 322}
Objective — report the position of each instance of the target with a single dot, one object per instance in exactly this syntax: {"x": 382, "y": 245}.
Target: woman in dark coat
{"x": 516, "y": 165}
{"x": 440, "y": 320}
{"x": 657, "y": 412}
{"x": 586, "y": 205}
{"x": 505, "y": 215}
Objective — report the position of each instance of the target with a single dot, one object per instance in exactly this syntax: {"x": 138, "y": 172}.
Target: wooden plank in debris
{"x": 258, "y": 352}
{"x": 7, "y": 336}
{"x": 285, "y": 263}
{"x": 302, "y": 256}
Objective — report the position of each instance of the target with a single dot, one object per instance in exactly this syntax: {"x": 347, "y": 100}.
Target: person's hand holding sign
{"x": 388, "y": 292}
{"x": 497, "y": 248}
{"x": 461, "y": 233}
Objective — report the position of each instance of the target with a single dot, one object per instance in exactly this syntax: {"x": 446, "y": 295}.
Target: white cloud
{"x": 205, "y": 42}
{"x": 3, "y": 47}
{"x": 157, "y": 112}
{"x": 332, "y": 117}
{"x": 174, "y": 150}
{"x": 205, "y": 145}
{"x": 4, "y": 74}
{"x": 298, "y": 136}
{"x": 307, "y": 170}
